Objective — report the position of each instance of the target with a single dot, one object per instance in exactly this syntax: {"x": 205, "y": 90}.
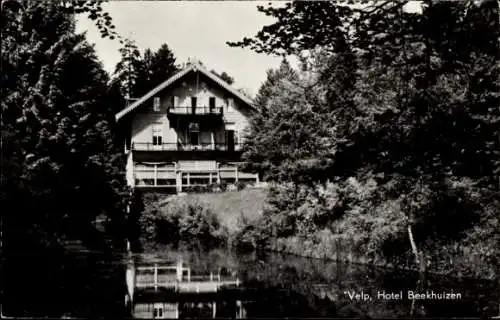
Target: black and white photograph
{"x": 250, "y": 159}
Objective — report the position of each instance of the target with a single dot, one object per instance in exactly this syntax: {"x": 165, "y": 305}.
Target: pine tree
{"x": 163, "y": 65}
{"x": 139, "y": 73}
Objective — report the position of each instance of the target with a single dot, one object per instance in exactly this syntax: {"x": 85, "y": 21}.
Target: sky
{"x": 191, "y": 29}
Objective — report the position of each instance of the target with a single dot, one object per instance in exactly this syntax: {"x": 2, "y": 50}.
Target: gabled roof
{"x": 196, "y": 67}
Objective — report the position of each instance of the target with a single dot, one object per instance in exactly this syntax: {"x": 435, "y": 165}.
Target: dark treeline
{"x": 63, "y": 185}
{"x": 388, "y": 136}
{"x": 61, "y": 162}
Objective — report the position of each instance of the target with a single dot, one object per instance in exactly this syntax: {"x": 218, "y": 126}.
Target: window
{"x": 230, "y": 105}
{"x": 194, "y": 133}
{"x": 158, "y": 311}
{"x": 194, "y": 127}
{"x": 157, "y": 134}
{"x": 230, "y": 140}
{"x": 193, "y": 138}
{"x": 156, "y": 104}
{"x": 174, "y": 101}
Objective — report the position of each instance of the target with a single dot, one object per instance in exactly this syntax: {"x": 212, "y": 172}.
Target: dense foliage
{"x": 224, "y": 76}
{"x": 177, "y": 221}
{"x": 136, "y": 74}
{"x": 60, "y": 163}
{"x": 388, "y": 132}
{"x": 60, "y": 166}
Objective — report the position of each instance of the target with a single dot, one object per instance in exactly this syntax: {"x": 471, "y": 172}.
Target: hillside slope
{"x": 232, "y": 206}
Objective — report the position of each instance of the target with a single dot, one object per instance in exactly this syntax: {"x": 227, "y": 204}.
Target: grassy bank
{"x": 241, "y": 219}
{"x": 233, "y": 208}
{"x": 201, "y": 219}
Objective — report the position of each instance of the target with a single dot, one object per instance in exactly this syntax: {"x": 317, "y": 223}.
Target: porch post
{"x": 178, "y": 180}
{"x": 212, "y": 140}
{"x": 156, "y": 277}
{"x": 218, "y": 173}
{"x": 133, "y": 172}
{"x": 156, "y": 175}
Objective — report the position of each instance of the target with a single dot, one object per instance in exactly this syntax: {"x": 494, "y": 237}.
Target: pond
{"x": 87, "y": 284}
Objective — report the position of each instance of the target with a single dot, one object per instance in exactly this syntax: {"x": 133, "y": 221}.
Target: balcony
{"x": 195, "y": 110}
{"x": 176, "y": 176}
{"x": 149, "y": 146}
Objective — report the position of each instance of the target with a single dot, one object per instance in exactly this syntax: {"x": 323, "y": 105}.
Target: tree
{"x": 284, "y": 71}
{"x": 60, "y": 168}
{"x": 62, "y": 126}
{"x": 162, "y": 65}
{"x": 224, "y": 76}
{"x": 129, "y": 70}
{"x": 286, "y": 139}
{"x": 405, "y": 102}
{"x": 138, "y": 74}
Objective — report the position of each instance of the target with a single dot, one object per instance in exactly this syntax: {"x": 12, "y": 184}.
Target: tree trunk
{"x": 412, "y": 242}
{"x": 420, "y": 261}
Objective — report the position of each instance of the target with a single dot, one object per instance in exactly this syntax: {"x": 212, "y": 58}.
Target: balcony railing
{"x": 196, "y": 110}
{"x": 149, "y": 146}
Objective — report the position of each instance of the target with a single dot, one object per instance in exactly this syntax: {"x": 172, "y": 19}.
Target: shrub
{"x": 197, "y": 189}
{"x": 179, "y": 220}
{"x": 222, "y": 185}
{"x": 240, "y": 185}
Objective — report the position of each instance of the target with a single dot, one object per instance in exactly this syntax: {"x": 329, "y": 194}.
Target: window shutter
{"x": 156, "y": 104}
{"x": 211, "y": 102}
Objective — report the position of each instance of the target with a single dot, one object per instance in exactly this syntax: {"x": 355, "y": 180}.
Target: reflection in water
{"x": 276, "y": 285}
{"x": 92, "y": 285}
{"x": 172, "y": 291}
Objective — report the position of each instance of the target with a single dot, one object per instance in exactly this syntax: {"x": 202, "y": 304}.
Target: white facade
{"x": 187, "y": 131}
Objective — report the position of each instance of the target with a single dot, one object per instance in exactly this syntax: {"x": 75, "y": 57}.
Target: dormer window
{"x": 156, "y": 104}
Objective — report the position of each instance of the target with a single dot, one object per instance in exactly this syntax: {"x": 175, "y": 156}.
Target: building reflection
{"x": 173, "y": 291}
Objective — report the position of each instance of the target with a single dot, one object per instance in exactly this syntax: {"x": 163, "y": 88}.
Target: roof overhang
{"x": 195, "y": 67}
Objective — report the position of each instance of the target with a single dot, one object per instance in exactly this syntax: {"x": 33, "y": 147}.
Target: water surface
{"x": 90, "y": 284}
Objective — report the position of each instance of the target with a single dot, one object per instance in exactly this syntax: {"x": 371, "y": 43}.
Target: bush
{"x": 197, "y": 189}
{"x": 240, "y": 185}
{"x": 222, "y": 185}
{"x": 253, "y": 236}
{"x": 213, "y": 187}
{"x": 177, "y": 220}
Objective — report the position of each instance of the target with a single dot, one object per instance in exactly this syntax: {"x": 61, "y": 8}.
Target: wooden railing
{"x": 169, "y": 146}
{"x": 181, "y": 280}
{"x": 204, "y": 110}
